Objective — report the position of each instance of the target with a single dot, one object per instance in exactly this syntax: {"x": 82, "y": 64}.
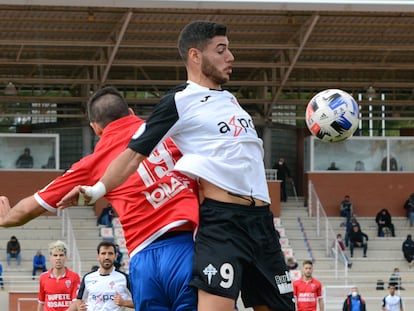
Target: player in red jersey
{"x": 157, "y": 207}
{"x": 308, "y": 290}
{"x": 58, "y": 286}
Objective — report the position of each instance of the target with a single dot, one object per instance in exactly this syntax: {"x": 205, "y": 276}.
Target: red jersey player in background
{"x": 58, "y": 286}
{"x": 308, "y": 290}
{"x": 157, "y": 207}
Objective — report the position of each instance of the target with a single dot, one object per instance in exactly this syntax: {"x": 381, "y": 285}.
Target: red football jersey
{"x": 58, "y": 294}
{"x": 307, "y": 294}
{"x": 151, "y": 202}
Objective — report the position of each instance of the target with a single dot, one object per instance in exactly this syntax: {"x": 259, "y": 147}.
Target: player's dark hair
{"x": 307, "y": 262}
{"x": 197, "y": 35}
{"x": 105, "y": 244}
{"x": 107, "y": 105}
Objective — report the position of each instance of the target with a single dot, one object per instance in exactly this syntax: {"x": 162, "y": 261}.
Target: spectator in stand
{"x": 408, "y": 250}
{"x": 383, "y": 220}
{"x": 25, "y": 160}
{"x": 333, "y": 167}
{"x": 350, "y": 228}
{"x": 358, "y": 239}
{"x": 291, "y": 263}
{"x": 39, "y": 263}
{"x": 105, "y": 219}
{"x": 283, "y": 174}
{"x": 354, "y": 301}
{"x": 1, "y": 277}
{"x": 395, "y": 279}
{"x": 119, "y": 256}
{"x": 359, "y": 166}
{"x": 346, "y": 209}
{"x": 51, "y": 162}
{"x": 409, "y": 208}
{"x": 338, "y": 243}
{"x": 13, "y": 251}
{"x": 393, "y": 164}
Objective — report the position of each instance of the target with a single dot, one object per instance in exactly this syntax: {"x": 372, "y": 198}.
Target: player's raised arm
{"x": 24, "y": 211}
{"x": 115, "y": 175}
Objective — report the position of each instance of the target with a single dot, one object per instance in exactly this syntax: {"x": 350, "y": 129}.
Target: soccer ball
{"x": 332, "y": 115}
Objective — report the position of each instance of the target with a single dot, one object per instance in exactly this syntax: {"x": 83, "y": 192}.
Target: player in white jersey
{"x": 236, "y": 247}
{"x": 392, "y": 302}
{"x": 105, "y": 289}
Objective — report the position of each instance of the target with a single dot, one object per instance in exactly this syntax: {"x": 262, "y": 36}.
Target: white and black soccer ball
{"x": 332, "y": 115}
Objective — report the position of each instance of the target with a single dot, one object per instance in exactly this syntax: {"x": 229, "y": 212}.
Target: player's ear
{"x": 96, "y": 128}
{"x": 131, "y": 112}
{"x": 194, "y": 55}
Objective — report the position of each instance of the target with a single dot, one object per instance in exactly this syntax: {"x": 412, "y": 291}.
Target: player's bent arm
{"x": 321, "y": 304}
{"x": 24, "y": 211}
{"x": 77, "y": 305}
{"x": 129, "y": 304}
{"x": 73, "y": 307}
{"x": 119, "y": 301}
{"x": 120, "y": 169}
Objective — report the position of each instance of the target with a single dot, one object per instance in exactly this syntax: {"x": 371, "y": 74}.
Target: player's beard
{"x": 107, "y": 264}
{"x": 210, "y": 71}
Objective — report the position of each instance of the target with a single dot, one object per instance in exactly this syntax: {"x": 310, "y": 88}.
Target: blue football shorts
{"x": 160, "y": 275}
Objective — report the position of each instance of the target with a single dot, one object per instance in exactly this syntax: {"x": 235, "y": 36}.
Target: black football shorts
{"x": 237, "y": 249}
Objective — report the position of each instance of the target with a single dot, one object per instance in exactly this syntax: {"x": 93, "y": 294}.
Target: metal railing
{"x": 68, "y": 234}
{"x": 324, "y": 229}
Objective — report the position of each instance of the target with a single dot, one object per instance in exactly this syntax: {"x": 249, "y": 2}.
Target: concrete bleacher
{"x": 88, "y": 235}
{"x": 32, "y": 236}
{"x": 37, "y": 234}
{"x": 384, "y": 254}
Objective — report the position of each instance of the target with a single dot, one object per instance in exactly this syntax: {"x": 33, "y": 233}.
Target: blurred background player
{"x": 392, "y": 302}
{"x": 308, "y": 290}
{"x": 105, "y": 288}
{"x": 59, "y": 286}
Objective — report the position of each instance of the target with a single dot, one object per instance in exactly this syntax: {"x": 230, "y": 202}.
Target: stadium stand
{"x": 384, "y": 253}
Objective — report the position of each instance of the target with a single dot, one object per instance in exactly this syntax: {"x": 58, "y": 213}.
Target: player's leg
{"x": 208, "y": 302}
{"x": 175, "y": 272}
{"x": 266, "y": 283}
{"x": 160, "y": 276}
{"x": 218, "y": 256}
{"x": 262, "y": 308}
